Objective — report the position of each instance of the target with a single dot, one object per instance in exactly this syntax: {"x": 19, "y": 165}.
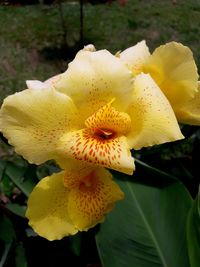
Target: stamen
{"x": 88, "y": 183}
{"x": 104, "y": 133}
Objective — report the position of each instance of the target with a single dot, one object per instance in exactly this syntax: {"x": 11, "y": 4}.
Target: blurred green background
{"x": 31, "y": 36}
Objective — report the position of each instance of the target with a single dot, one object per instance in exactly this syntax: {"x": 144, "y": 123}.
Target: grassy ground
{"x": 30, "y": 36}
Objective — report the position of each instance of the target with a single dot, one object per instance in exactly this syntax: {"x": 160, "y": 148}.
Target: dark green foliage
{"x": 147, "y": 228}
{"x": 193, "y": 233}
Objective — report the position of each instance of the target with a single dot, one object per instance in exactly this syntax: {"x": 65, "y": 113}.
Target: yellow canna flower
{"x": 71, "y": 201}
{"x": 173, "y": 68}
{"x": 94, "y": 112}
{"x": 87, "y": 118}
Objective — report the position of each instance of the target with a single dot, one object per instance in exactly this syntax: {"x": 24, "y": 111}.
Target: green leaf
{"x": 16, "y": 174}
{"x": 17, "y": 209}
{"x": 20, "y": 257}
{"x": 2, "y": 167}
{"x": 193, "y": 233}
{"x": 7, "y": 235}
{"x": 75, "y": 243}
{"x": 7, "y": 232}
{"x": 147, "y": 228}
{"x": 7, "y": 185}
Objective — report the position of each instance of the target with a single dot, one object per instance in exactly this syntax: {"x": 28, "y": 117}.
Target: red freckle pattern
{"x": 84, "y": 146}
{"x": 108, "y": 117}
{"x": 88, "y": 204}
{"x": 92, "y": 203}
{"x": 76, "y": 174}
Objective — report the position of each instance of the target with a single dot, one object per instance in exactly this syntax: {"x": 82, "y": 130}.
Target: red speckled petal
{"x": 112, "y": 153}
{"x": 75, "y": 172}
{"x": 88, "y": 203}
{"x": 152, "y": 117}
{"x": 109, "y": 118}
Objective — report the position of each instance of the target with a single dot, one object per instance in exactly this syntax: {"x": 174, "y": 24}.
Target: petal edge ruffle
{"x": 34, "y": 120}
{"x": 48, "y": 208}
{"x": 173, "y": 68}
{"x": 153, "y": 120}
{"x": 190, "y": 113}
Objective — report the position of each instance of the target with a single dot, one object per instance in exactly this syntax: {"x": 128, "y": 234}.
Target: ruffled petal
{"x": 35, "y": 84}
{"x": 89, "y": 47}
{"x": 112, "y": 153}
{"x": 95, "y": 78}
{"x": 135, "y": 57}
{"x": 95, "y": 197}
{"x": 173, "y": 68}
{"x": 153, "y": 120}
{"x": 53, "y": 80}
{"x": 48, "y": 208}
{"x": 190, "y": 113}
{"x": 34, "y": 120}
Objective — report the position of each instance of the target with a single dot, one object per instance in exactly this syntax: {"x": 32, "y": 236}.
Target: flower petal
{"x": 173, "y": 68}
{"x": 111, "y": 153}
{"x": 35, "y": 84}
{"x": 190, "y": 113}
{"x": 135, "y": 57}
{"x": 48, "y": 208}
{"x": 34, "y": 120}
{"x": 53, "y": 80}
{"x": 153, "y": 120}
{"x": 75, "y": 171}
{"x": 89, "y": 47}
{"x": 109, "y": 118}
{"x": 95, "y": 78}
{"x": 88, "y": 204}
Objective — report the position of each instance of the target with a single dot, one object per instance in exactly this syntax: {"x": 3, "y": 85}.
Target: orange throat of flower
{"x": 104, "y": 134}
{"x": 88, "y": 183}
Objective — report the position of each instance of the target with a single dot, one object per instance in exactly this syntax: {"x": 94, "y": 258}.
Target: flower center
{"x": 104, "y": 133}
{"x": 88, "y": 183}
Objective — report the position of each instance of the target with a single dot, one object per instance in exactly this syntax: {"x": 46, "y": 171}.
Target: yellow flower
{"x": 87, "y": 118}
{"x": 173, "y": 68}
{"x": 71, "y": 201}
{"x": 94, "y": 112}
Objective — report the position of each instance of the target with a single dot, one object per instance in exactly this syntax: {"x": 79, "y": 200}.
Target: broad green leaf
{"x": 193, "y": 233}
{"x": 16, "y": 174}
{"x": 147, "y": 228}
